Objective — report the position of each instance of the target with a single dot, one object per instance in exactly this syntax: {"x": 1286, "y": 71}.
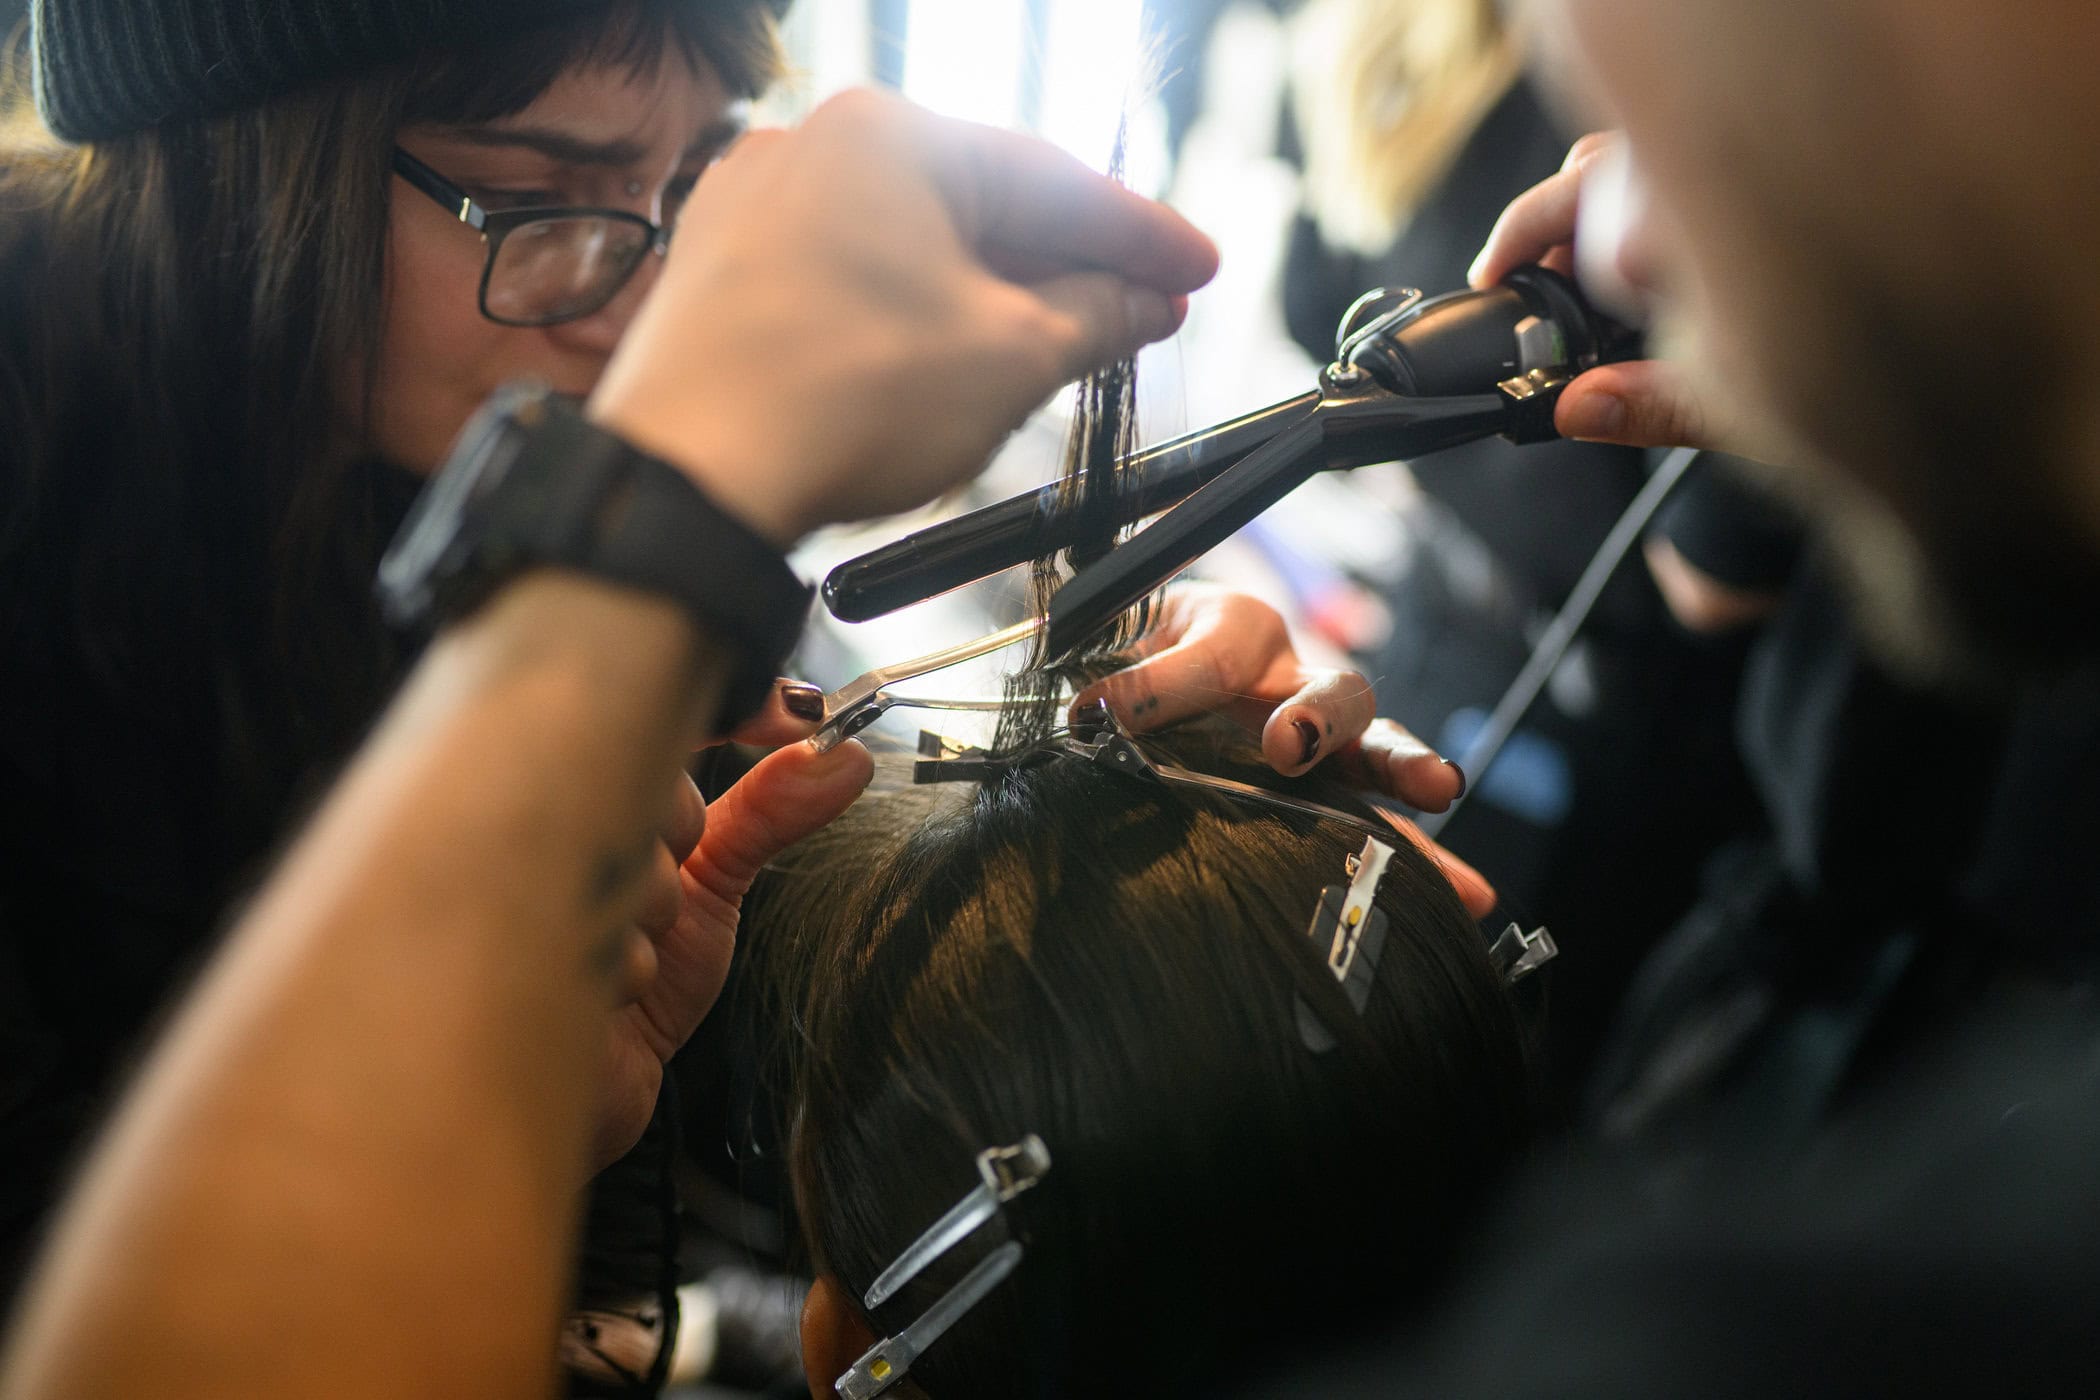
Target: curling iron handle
{"x": 946, "y": 556}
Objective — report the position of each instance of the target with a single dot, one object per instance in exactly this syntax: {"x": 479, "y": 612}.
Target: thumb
{"x": 1643, "y": 403}
{"x": 789, "y": 794}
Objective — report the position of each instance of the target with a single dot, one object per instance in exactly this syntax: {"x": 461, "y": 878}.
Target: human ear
{"x": 833, "y": 1337}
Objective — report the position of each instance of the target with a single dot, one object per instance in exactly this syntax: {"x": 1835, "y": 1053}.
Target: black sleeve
{"x": 1728, "y": 526}
{"x": 1944, "y": 1245}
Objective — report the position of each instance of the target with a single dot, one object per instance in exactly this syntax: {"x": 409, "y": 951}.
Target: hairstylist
{"x": 289, "y": 1207}
{"x": 248, "y": 301}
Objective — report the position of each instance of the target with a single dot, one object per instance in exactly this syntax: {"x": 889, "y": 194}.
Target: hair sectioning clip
{"x": 861, "y": 701}
{"x": 1095, "y": 736}
{"x": 1519, "y": 954}
{"x": 1350, "y": 926}
{"x": 1006, "y": 1172}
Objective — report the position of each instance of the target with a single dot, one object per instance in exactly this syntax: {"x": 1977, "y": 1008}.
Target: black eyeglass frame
{"x": 495, "y": 226}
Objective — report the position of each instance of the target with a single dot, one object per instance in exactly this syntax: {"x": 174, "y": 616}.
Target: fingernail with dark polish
{"x": 1309, "y": 736}
{"x": 1461, "y": 779}
{"x": 802, "y": 701}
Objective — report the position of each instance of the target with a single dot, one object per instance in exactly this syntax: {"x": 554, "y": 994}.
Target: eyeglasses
{"x": 545, "y": 266}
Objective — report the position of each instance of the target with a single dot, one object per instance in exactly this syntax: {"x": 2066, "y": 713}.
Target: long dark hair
{"x": 186, "y": 503}
{"x": 1114, "y": 965}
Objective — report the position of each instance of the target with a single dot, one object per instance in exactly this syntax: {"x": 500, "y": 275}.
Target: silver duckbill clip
{"x": 1519, "y": 954}
{"x": 861, "y": 701}
{"x": 1351, "y": 928}
{"x": 1006, "y": 1172}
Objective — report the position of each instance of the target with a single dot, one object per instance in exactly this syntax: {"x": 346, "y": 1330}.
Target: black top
{"x": 1942, "y": 1240}
{"x": 125, "y": 844}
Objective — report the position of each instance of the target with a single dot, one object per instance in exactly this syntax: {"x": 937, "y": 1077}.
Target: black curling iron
{"x": 1411, "y": 376}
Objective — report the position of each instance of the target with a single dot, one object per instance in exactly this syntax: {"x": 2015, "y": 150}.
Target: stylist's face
{"x": 1868, "y": 220}
{"x": 598, "y": 137}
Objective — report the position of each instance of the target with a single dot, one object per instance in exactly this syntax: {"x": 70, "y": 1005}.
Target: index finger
{"x": 1023, "y": 202}
{"x": 1537, "y": 222}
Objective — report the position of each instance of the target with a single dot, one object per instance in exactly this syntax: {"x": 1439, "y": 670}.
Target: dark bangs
{"x": 737, "y": 38}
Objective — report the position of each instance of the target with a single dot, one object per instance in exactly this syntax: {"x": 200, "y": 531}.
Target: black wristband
{"x": 532, "y": 483}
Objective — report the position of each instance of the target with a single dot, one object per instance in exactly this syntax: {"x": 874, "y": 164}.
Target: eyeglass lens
{"x": 557, "y": 269}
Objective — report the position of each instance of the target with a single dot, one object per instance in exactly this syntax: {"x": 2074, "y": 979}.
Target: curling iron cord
{"x": 1523, "y": 692}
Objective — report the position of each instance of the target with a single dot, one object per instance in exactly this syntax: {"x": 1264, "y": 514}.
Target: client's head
{"x": 1115, "y": 965}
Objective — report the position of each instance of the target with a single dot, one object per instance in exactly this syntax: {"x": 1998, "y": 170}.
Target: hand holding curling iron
{"x": 1638, "y": 403}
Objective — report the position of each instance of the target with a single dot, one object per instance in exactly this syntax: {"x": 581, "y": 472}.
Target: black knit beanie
{"x": 106, "y": 68}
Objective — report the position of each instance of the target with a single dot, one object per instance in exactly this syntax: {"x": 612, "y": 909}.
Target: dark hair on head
{"x": 1117, "y": 966}
{"x": 185, "y": 316}
{"x": 1114, "y": 965}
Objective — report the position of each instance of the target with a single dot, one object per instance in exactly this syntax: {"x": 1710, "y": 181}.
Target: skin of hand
{"x": 1641, "y": 403}
{"x": 285, "y": 1203}
{"x": 857, "y": 312}
{"x": 1215, "y": 650}
{"x": 684, "y": 931}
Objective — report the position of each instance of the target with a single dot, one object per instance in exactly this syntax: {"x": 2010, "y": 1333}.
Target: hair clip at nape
{"x": 1004, "y": 1173}
{"x": 946, "y": 760}
{"x": 1350, "y": 927}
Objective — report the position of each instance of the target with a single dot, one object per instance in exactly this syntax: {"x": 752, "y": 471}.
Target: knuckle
{"x": 1354, "y": 687}
{"x": 1679, "y": 421}
{"x": 855, "y": 106}
{"x": 1211, "y": 672}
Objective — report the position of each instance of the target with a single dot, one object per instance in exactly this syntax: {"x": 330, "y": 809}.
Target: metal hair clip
{"x": 1519, "y": 954}
{"x": 1006, "y": 1173}
{"x": 1349, "y": 924}
{"x": 1096, "y": 736}
{"x": 860, "y": 702}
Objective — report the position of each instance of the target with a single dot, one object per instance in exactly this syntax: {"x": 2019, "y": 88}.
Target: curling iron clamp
{"x": 1410, "y": 377}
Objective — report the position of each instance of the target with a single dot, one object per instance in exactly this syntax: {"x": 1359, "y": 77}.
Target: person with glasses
{"x": 235, "y": 343}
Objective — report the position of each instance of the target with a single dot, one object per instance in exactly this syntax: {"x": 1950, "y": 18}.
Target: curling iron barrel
{"x": 1437, "y": 360}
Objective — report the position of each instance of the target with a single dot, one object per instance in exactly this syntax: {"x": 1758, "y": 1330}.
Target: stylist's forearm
{"x": 319, "y": 1184}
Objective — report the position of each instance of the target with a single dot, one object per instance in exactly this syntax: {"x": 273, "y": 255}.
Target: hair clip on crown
{"x": 1350, "y": 927}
